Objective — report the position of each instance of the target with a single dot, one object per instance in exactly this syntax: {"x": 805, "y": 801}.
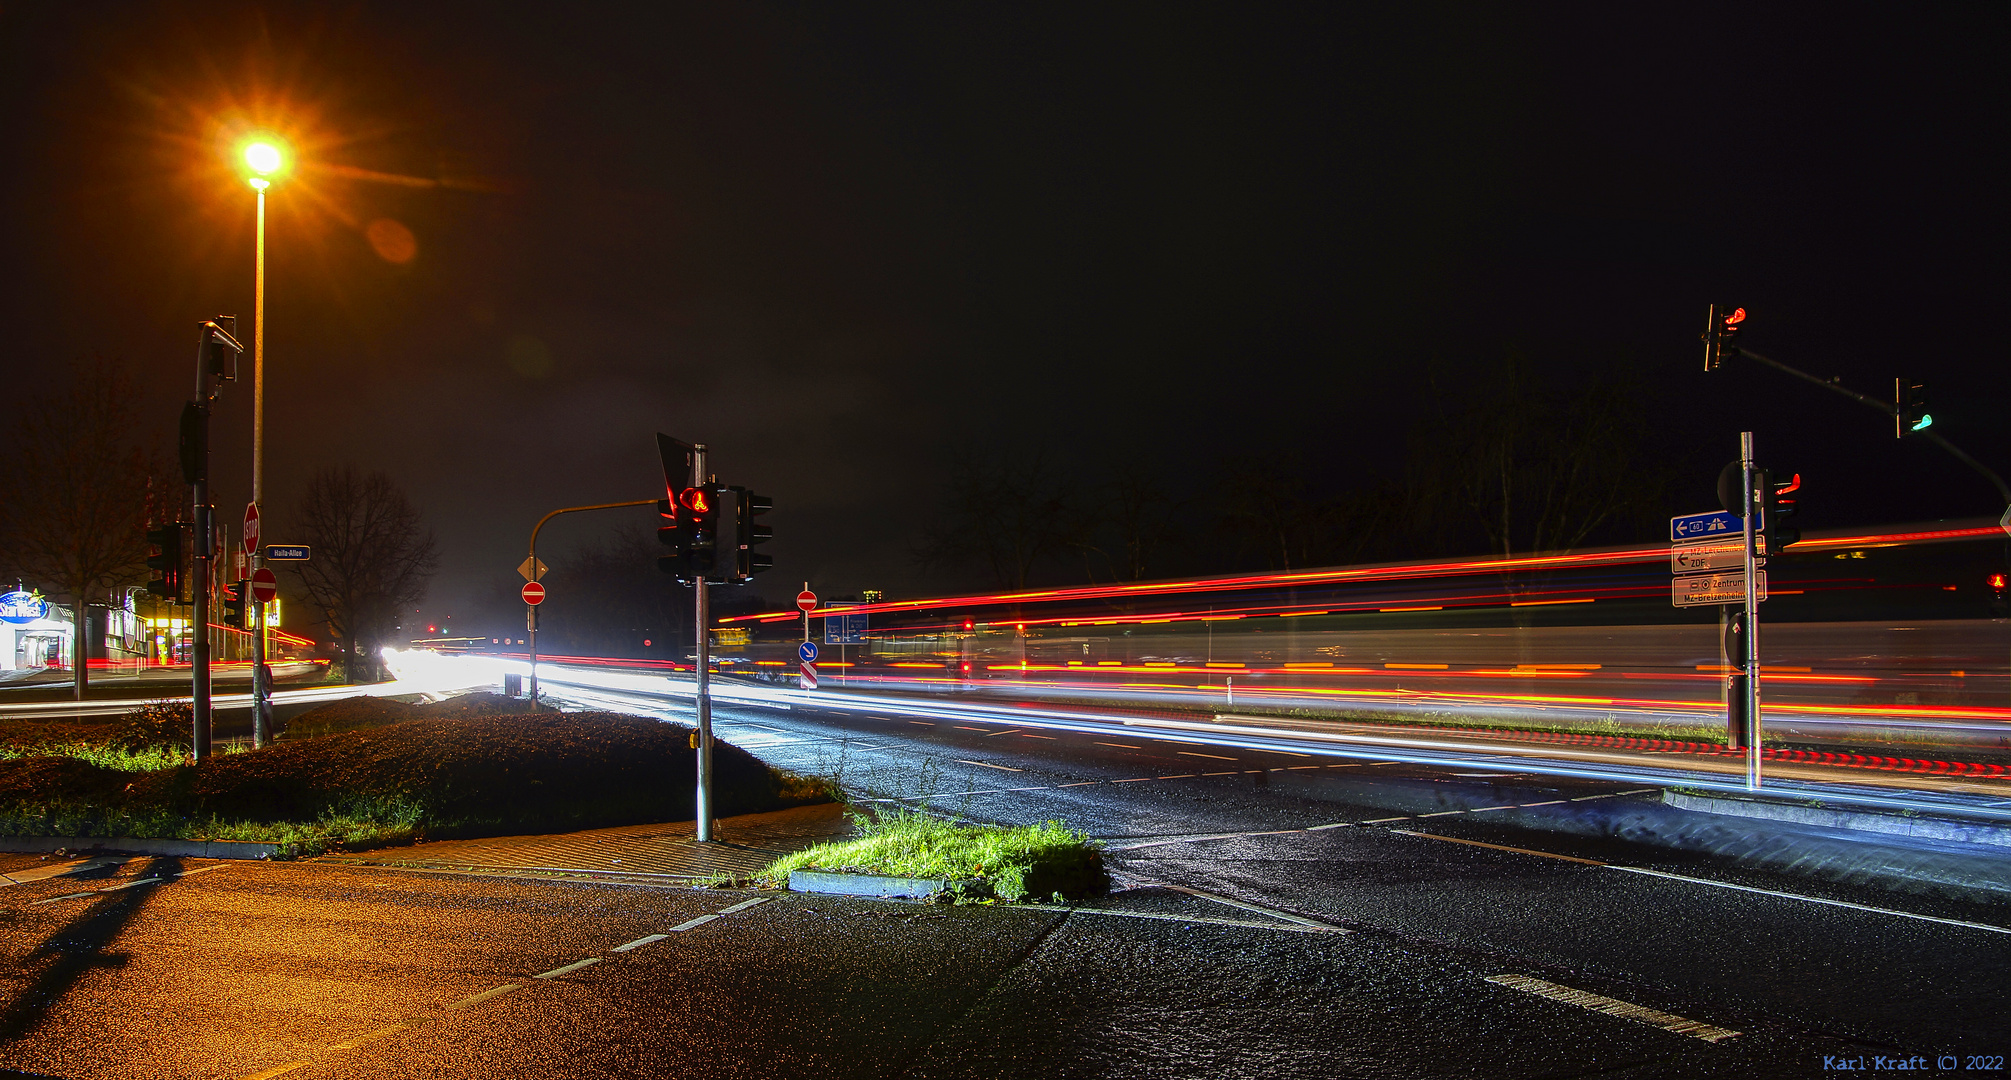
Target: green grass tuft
{"x": 1018, "y": 862}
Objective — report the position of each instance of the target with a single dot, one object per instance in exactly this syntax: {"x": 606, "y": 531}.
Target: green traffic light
{"x": 1925, "y": 421}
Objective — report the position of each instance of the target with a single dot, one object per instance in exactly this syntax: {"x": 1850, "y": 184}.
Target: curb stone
{"x": 133, "y": 845}
{"x": 1960, "y": 830}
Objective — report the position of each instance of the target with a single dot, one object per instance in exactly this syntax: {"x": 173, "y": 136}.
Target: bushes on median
{"x": 1021, "y": 862}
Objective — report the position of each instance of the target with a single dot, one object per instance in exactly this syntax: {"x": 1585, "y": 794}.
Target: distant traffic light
{"x": 1909, "y": 408}
{"x": 166, "y": 562}
{"x": 234, "y": 595}
{"x": 1778, "y": 517}
{"x": 2000, "y": 607}
{"x": 1721, "y": 334}
{"x": 748, "y": 532}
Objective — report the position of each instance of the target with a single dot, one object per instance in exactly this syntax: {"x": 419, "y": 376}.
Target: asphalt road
{"x": 1381, "y": 946}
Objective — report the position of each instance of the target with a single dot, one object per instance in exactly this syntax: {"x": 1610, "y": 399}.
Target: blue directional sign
{"x": 845, "y": 629}
{"x": 808, "y": 651}
{"x": 1718, "y": 525}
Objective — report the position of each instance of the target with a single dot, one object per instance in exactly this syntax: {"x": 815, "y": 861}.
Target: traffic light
{"x": 1909, "y": 408}
{"x": 1778, "y": 522}
{"x": 671, "y": 536}
{"x": 234, "y": 594}
{"x": 217, "y": 355}
{"x": 2000, "y": 607}
{"x": 1721, "y": 334}
{"x": 748, "y": 532}
{"x": 166, "y": 562}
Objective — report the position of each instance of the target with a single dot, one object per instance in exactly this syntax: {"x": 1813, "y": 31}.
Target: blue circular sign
{"x": 808, "y": 651}
{"x": 19, "y": 607}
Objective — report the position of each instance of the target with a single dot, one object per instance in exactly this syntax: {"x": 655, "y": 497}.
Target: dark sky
{"x": 840, "y": 242}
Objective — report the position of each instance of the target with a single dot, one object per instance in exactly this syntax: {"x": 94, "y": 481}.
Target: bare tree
{"x": 1007, "y": 513}
{"x": 371, "y": 557}
{"x": 80, "y": 493}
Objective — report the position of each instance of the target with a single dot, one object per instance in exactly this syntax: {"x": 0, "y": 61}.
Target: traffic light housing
{"x": 1721, "y": 334}
{"x": 1909, "y": 408}
{"x": 748, "y": 532}
{"x": 234, "y": 594}
{"x": 671, "y": 536}
{"x": 1779, "y": 522}
{"x": 166, "y": 562}
{"x": 2000, "y": 606}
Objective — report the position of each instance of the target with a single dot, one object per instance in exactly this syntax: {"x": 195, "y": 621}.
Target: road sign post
{"x": 1751, "y": 638}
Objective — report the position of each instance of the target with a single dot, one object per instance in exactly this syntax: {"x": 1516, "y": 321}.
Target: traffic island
{"x": 910, "y": 854}
{"x": 416, "y": 772}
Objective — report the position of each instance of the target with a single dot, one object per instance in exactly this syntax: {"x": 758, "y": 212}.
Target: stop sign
{"x": 806, "y": 600}
{"x": 251, "y": 528}
{"x": 263, "y": 585}
{"x": 534, "y": 593}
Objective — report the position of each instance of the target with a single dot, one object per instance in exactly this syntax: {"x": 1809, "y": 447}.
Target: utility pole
{"x": 703, "y": 805}
{"x": 216, "y": 364}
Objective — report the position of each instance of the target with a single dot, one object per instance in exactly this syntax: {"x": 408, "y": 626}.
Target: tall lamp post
{"x": 265, "y": 160}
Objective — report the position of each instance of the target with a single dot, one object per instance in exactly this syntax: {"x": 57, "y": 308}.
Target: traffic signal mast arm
{"x": 1887, "y": 407}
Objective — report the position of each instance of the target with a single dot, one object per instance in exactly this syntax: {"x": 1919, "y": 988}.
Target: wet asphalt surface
{"x": 1357, "y": 950}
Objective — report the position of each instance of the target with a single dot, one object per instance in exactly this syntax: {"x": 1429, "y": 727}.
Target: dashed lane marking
{"x": 987, "y": 765}
{"x": 155, "y": 880}
{"x": 1812, "y": 899}
{"x": 1292, "y": 928}
{"x": 476, "y": 999}
{"x": 961, "y": 727}
{"x": 1695, "y": 1029}
{"x": 744, "y": 905}
{"x": 640, "y": 942}
{"x": 1031, "y": 735}
{"x": 1500, "y": 847}
{"x": 689, "y": 924}
{"x": 568, "y": 969}
{"x": 1121, "y": 746}
{"x": 360, "y": 1040}
{"x": 1191, "y": 753}
{"x": 1008, "y": 731}
{"x": 923, "y": 723}
{"x": 42, "y": 873}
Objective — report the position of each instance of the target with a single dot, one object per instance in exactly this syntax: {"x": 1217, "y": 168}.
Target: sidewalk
{"x": 741, "y": 846}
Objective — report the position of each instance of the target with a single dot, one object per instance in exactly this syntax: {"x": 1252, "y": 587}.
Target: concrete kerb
{"x": 875, "y": 885}
{"x": 1814, "y": 812}
{"x": 133, "y": 845}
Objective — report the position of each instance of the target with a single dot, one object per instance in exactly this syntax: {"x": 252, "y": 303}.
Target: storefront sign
{"x": 20, "y": 607}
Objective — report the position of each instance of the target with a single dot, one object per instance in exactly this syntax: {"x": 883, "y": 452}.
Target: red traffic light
{"x": 1735, "y": 318}
{"x": 970, "y": 625}
{"x": 694, "y": 498}
{"x": 1997, "y": 581}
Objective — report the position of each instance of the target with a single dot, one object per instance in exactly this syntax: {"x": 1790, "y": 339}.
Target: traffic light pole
{"x": 199, "y": 585}
{"x": 530, "y": 616}
{"x": 1751, "y": 638}
{"x": 700, "y": 669}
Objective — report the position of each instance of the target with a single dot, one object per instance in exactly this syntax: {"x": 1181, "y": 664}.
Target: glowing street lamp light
{"x": 266, "y": 160}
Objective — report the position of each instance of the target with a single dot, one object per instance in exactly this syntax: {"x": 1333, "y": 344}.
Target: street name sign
{"x": 264, "y": 586}
{"x": 531, "y": 569}
{"x": 1699, "y": 558}
{"x": 534, "y": 593}
{"x": 251, "y": 528}
{"x": 806, "y": 600}
{"x": 287, "y": 553}
{"x": 1699, "y": 590}
{"x": 808, "y": 651}
{"x": 1695, "y": 528}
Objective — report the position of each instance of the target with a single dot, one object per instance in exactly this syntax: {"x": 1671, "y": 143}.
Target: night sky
{"x": 842, "y": 243}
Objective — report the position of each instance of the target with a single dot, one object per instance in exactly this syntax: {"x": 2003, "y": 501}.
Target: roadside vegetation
{"x": 1013, "y": 863}
{"x": 368, "y": 772}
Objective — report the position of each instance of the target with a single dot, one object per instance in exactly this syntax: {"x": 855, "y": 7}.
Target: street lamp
{"x": 266, "y": 158}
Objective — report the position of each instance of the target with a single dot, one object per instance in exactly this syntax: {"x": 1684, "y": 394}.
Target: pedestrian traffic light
{"x": 1721, "y": 334}
{"x": 748, "y": 532}
{"x": 1778, "y": 521}
{"x": 2000, "y": 607}
{"x": 217, "y": 356}
{"x": 697, "y": 532}
{"x": 166, "y": 562}
{"x": 234, "y": 594}
{"x": 1909, "y": 408}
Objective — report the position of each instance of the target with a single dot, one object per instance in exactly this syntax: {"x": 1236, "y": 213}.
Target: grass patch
{"x": 1014, "y": 863}
{"x": 437, "y": 772}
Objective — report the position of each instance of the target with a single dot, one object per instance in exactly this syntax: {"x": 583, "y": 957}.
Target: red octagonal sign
{"x": 534, "y": 593}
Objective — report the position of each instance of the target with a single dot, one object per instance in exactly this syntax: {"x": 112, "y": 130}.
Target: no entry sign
{"x": 534, "y": 593}
{"x": 806, "y": 600}
{"x": 264, "y": 586}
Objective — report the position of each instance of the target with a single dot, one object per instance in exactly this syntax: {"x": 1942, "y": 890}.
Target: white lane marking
{"x": 1121, "y": 746}
{"x": 1204, "y": 919}
{"x": 693, "y": 923}
{"x": 1080, "y": 783}
{"x": 1031, "y": 735}
{"x": 477, "y": 999}
{"x": 1614, "y": 1007}
{"x": 130, "y": 884}
{"x": 1385, "y": 820}
{"x": 1008, "y": 731}
{"x": 572, "y": 967}
{"x": 42, "y": 873}
{"x": 351, "y": 1044}
{"x": 987, "y": 764}
{"x": 1297, "y": 920}
{"x": 924, "y": 723}
{"x": 1553, "y": 802}
{"x": 639, "y": 942}
{"x": 961, "y": 727}
{"x": 1814, "y": 899}
{"x": 1190, "y": 753}
{"x": 1500, "y": 847}
{"x": 1442, "y": 813}
{"x": 1335, "y": 825}
{"x": 1178, "y": 776}
{"x": 744, "y": 905}
{"x": 1608, "y": 795}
